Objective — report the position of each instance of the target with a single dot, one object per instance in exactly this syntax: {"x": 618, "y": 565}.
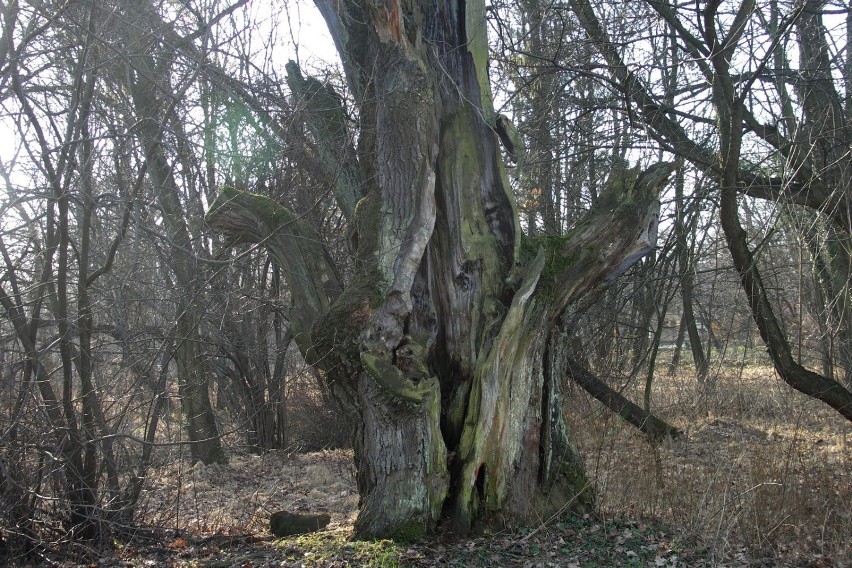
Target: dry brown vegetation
{"x": 761, "y": 477}
{"x": 240, "y": 496}
{"x": 762, "y": 471}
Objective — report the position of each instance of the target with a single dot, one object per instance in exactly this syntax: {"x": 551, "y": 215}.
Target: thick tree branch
{"x": 324, "y": 113}
{"x": 293, "y": 244}
{"x": 655, "y": 428}
{"x": 812, "y": 384}
{"x": 731, "y": 137}
{"x": 615, "y": 234}
{"x": 806, "y": 189}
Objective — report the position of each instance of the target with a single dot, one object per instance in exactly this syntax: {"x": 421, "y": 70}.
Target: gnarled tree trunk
{"x": 442, "y": 346}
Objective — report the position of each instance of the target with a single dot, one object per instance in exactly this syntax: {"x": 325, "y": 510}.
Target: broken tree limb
{"x": 655, "y": 428}
{"x": 294, "y": 245}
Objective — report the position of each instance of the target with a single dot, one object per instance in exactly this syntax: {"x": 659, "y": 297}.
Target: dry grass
{"x": 761, "y": 478}
{"x": 763, "y": 472}
{"x": 239, "y": 497}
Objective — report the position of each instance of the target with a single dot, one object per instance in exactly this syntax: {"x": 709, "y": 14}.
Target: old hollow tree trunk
{"x": 445, "y": 345}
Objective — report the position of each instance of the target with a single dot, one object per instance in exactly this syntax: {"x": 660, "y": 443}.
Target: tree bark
{"x": 509, "y": 453}
{"x": 440, "y": 346}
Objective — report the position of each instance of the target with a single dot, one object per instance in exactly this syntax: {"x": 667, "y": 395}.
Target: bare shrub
{"x": 316, "y": 421}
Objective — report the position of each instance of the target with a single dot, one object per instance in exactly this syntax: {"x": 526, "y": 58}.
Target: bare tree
{"x": 808, "y": 181}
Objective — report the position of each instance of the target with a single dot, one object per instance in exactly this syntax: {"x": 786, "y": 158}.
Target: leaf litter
{"x": 741, "y": 489}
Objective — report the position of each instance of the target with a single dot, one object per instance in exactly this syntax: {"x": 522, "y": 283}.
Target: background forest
{"x": 133, "y": 337}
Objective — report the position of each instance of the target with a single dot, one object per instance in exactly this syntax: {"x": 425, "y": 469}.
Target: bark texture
{"x": 440, "y": 346}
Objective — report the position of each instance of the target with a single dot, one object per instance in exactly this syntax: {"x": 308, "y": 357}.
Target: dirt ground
{"x": 761, "y": 477}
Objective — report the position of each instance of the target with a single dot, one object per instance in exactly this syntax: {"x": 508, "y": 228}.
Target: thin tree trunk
{"x": 730, "y": 125}
{"x": 687, "y": 278}
{"x": 193, "y": 371}
{"x": 678, "y": 346}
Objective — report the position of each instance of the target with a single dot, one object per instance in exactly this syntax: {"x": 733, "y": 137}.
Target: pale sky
{"x": 306, "y": 40}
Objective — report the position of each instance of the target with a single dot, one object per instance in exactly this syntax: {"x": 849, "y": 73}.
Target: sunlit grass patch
{"x": 333, "y": 548}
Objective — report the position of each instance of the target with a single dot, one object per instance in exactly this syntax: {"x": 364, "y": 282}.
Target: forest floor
{"x": 761, "y": 477}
